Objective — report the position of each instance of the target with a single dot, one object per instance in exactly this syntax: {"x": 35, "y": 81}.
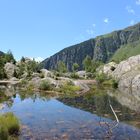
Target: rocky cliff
{"x": 100, "y": 48}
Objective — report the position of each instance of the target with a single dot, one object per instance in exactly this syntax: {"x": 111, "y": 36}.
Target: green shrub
{"x": 9, "y": 125}
{"x": 111, "y": 82}
{"x": 69, "y": 88}
{"x": 45, "y": 85}
{"x": 74, "y": 76}
{"x": 107, "y": 82}
{"x": 23, "y": 82}
{"x": 61, "y": 67}
{"x": 100, "y": 78}
{"x": 104, "y": 80}
{"x": 114, "y": 84}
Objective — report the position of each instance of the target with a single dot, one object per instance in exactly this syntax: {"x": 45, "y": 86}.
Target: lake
{"x": 49, "y": 117}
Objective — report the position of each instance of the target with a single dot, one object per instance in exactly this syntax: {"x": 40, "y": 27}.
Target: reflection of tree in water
{"x": 35, "y": 95}
{"x": 7, "y": 96}
{"x": 5, "y": 99}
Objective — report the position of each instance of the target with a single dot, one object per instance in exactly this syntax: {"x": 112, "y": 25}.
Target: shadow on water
{"x": 46, "y": 116}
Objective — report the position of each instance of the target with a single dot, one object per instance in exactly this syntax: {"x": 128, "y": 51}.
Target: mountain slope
{"x": 100, "y": 48}
{"x": 126, "y": 51}
{"x": 1, "y": 53}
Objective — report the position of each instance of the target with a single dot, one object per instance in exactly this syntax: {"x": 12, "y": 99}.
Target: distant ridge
{"x": 100, "y": 48}
{"x": 1, "y": 53}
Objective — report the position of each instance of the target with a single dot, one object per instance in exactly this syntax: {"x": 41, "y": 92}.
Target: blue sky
{"x": 40, "y": 28}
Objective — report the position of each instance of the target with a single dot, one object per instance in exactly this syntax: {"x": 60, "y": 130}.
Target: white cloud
{"x": 106, "y": 20}
{"x": 130, "y": 10}
{"x": 37, "y": 59}
{"x": 90, "y": 31}
{"x": 138, "y": 2}
{"x": 132, "y": 22}
{"x": 93, "y": 25}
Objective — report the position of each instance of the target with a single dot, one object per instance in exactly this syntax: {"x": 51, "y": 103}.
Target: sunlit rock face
{"x": 127, "y": 73}
{"x": 131, "y": 64}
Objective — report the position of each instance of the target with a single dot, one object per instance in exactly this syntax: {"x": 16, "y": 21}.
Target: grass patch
{"x": 69, "y": 88}
{"x": 45, "y": 85}
{"x": 126, "y": 51}
{"x": 9, "y": 126}
{"x": 111, "y": 83}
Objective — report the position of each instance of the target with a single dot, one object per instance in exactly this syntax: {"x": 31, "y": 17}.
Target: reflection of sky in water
{"x": 52, "y": 119}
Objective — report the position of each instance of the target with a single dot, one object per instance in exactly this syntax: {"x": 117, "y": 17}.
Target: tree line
{"x": 89, "y": 65}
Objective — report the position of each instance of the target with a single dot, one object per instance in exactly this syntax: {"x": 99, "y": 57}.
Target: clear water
{"x": 46, "y": 118}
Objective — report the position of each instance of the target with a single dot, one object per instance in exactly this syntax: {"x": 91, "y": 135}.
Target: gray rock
{"x": 128, "y": 75}
{"x": 9, "y": 69}
{"x": 35, "y": 75}
{"x": 2, "y": 87}
{"x": 81, "y": 74}
{"x": 14, "y": 79}
{"x": 36, "y": 81}
{"x": 47, "y": 73}
{"x": 131, "y": 64}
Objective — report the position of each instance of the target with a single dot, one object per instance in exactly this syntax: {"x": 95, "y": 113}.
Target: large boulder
{"x": 131, "y": 64}
{"x": 9, "y": 68}
{"x": 126, "y": 80}
{"x": 128, "y": 75}
{"x": 81, "y": 74}
{"x": 46, "y": 73}
{"x": 36, "y": 81}
{"x": 136, "y": 82}
{"x": 136, "y": 86}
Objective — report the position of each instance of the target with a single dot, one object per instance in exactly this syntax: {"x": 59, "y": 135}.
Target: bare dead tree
{"x": 110, "y": 126}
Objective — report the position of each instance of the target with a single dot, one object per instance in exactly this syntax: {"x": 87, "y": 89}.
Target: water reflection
{"x": 98, "y": 103}
{"x": 126, "y": 98}
{"x": 45, "y": 117}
